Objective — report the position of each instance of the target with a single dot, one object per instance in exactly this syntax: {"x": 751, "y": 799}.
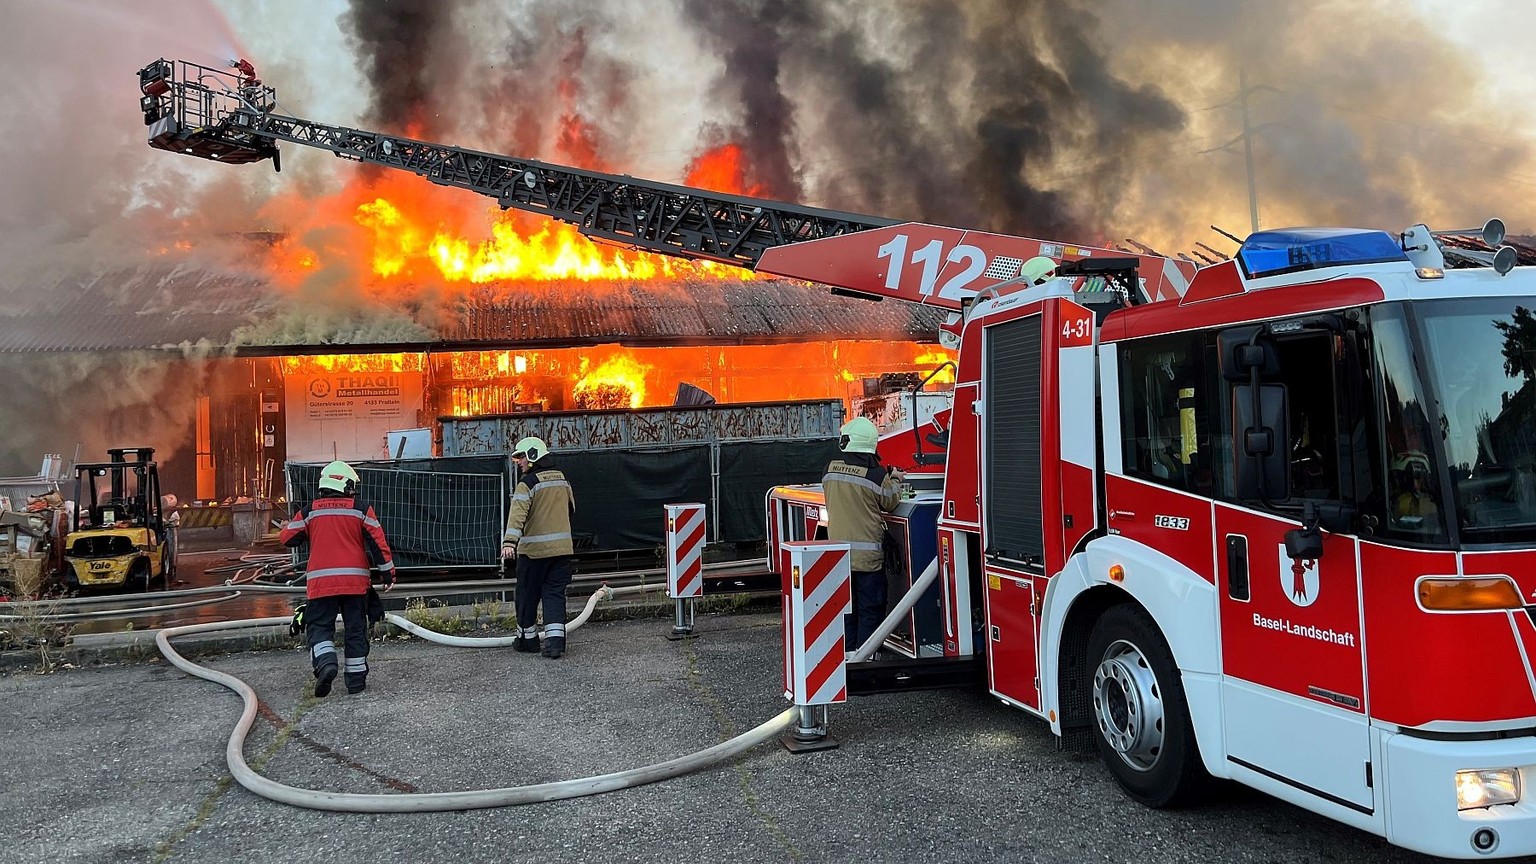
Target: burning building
{"x": 230, "y": 373}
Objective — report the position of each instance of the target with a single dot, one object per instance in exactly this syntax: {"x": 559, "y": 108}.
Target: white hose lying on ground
{"x": 603, "y": 593}
{"x": 429, "y": 802}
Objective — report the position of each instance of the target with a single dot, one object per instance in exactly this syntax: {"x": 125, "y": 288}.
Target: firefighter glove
{"x": 375, "y": 606}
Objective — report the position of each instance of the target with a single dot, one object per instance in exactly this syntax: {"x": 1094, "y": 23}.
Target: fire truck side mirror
{"x": 1261, "y": 469}
{"x": 1304, "y": 544}
{"x": 1242, "y": 349}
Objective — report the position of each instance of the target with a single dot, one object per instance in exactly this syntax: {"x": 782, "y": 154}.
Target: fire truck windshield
{"x": 1481, "y": 360}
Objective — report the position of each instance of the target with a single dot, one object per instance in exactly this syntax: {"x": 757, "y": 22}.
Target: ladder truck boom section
{"x": 230, "y": 116}
{"x": 1273, "y": 521}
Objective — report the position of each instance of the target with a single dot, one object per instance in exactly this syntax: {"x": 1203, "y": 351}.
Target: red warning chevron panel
{"x": 685, "y": 550}
{"x": 817, "y": 596}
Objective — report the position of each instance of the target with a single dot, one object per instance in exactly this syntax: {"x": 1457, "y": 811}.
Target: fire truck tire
{"x": 1141, "y": 722}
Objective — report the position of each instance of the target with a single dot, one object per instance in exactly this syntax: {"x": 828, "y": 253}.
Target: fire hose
{"x": 429, "y": 802}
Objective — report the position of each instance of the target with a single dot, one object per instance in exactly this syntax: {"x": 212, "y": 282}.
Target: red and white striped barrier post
{"x": 817, "y": 595}
{"x": 685, "y": 563}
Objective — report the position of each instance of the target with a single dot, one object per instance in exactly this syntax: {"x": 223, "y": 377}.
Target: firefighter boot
{"x": 554, "y": 647}
{"x": 527, "y": 640}
{"x": 324, "y": 675}
{"x": 357, "y": 674}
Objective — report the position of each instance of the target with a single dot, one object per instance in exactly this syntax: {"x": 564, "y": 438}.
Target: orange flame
{"x": 397, "y": 229}
{"x": 618, "y": 382}
{"x": 312, "y": 363}
{"x": 723, "y": 169}
{"x": 500, "y": 382}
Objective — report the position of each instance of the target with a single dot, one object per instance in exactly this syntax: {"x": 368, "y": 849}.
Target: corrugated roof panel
{"x": 152, "y": 307}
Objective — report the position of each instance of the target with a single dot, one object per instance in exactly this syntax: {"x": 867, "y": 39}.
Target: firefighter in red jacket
{"x": 538, "y": 535}
{"x": 346, "y": 542}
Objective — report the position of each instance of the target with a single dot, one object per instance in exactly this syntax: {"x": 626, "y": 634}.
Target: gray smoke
{"x": 404, "y": 47}
{"x": 1061, "y": 118}
{"x": 64, "y": 402}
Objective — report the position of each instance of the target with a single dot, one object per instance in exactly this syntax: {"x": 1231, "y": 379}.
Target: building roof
{"x": 167, "y": 306}
{"x": 760, "y": 311}
{"x": 149, "y": 306}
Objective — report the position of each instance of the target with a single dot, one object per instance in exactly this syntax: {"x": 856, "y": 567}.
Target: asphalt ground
{"x": 126, "y": 763}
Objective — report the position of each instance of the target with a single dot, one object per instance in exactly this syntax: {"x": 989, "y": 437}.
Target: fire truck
{"x": 1272, "y": 521}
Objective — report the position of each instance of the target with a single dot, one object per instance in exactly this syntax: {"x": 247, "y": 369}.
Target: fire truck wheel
{"x": 1140, "y": 719}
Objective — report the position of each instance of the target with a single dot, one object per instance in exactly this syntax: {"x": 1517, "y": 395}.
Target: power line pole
{"x": 1249, "y": 130}
{"x": 1253, "y": 195}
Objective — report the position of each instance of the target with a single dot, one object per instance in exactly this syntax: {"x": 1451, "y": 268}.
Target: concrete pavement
{"x": 126, "y": 763}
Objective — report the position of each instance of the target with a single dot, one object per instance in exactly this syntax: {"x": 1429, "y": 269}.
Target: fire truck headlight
{"x": 1487, "y": 787}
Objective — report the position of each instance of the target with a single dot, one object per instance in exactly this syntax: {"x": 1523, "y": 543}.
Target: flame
{"x": 395, "y": 229}
{"x": 471, "y": 383}
{"x": 500, "y": 382}
{"x": 311, "y": 364}
{"x": 723, "y": 169}
{"x": 934, "y": 360}
{"x": 618, "y": 382}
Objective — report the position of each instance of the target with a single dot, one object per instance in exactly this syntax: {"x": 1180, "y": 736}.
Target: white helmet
{"x": 530, "y": 448}
{"x": 1038, "y": 269}
{"x": 339, "y": 477}
{"x": 859, "y": 436}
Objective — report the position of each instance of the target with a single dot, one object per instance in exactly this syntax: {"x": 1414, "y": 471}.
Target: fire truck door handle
{"x": 949, "y": 607}
{"x": 1237, "y": 567}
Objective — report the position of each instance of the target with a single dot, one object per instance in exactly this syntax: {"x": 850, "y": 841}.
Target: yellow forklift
{"x": 118, "y": 535}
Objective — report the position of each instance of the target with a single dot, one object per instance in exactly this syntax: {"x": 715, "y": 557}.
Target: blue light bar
{"x": 1293, "y": 250}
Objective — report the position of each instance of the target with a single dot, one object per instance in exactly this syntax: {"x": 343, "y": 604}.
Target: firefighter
{"x": 857, "y": 489}
{"x": 1411, "y": 470}
{"x": 248, "y": 79}
{"x": 538, "y": 537}
{"x": 346, "y": 543}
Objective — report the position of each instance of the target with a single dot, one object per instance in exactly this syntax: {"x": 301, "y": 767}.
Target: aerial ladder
{"x": 228, "y": 115}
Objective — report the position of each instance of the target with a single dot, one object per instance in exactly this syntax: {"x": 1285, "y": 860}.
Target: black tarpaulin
{"x": 446, "y": 512}
{"x": 620, "y": 494}
{"x": 748, "y": 469}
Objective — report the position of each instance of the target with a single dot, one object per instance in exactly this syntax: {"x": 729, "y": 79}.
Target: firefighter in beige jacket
{"x": 858, "y": 489}
{"x": 538, "y": 535}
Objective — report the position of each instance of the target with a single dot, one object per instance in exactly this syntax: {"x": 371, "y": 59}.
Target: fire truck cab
{"x": 1280, "y": 530}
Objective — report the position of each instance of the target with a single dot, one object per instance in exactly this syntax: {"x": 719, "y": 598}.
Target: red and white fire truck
{"x": 1272, "y": 521}
{"x": 1280, "y": 529}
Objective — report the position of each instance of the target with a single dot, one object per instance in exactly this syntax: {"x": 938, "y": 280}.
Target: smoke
{"x": 752, "y": 47}
{"x": 64, "y": 403}
{"x": 407, "y": 49}
{"x": 1072, "y": 120}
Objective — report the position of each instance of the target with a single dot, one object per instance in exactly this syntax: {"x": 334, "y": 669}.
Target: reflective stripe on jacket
{"x": 345, "y": 541}
{"x": 539, "y": 521}
{"x": 857, "y": 488}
